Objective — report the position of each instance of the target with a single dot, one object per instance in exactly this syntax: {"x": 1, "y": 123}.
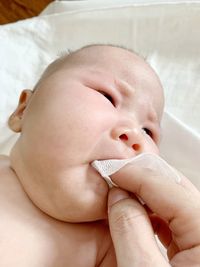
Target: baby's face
{"x": 103, "y": 103}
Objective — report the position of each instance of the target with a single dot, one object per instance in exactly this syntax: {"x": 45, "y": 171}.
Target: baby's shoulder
{"x": 9, "y": 184}
{"x": 12, "y": 195}
{"x": 5, "y": 171}
{"x": 4, "y": 163}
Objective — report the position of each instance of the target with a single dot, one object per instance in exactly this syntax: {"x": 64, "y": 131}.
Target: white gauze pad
{"x": 144, "y": 160}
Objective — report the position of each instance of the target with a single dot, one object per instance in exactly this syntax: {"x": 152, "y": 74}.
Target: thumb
{"x": 131, "y": 232}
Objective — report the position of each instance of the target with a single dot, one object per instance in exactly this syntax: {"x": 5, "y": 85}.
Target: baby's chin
{"x": 81, "y": 212}
{"x": 87, "y": 204}
{"x": 91, "y": 207}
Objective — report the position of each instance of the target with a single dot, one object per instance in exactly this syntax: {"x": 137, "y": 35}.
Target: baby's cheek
{"x": 151, "y": 147}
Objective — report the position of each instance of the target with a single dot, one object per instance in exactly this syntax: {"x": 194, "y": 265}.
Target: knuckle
{"x": 124, "y": 217}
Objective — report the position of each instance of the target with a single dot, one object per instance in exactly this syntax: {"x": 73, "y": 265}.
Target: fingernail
{"x": 116, "y": 195}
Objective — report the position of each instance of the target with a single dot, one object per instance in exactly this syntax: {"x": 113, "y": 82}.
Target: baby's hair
{"x": 64, "y": 55}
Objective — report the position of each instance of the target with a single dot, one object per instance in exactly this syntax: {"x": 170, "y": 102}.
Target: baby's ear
{"x": 15, "y": 120}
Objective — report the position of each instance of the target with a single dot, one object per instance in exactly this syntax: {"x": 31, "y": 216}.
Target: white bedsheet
{"x": 167, "y": 34}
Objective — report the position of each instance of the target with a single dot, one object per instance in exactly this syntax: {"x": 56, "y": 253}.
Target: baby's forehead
{"x": 107, "y": 58}
{"x": 96, "y": 53}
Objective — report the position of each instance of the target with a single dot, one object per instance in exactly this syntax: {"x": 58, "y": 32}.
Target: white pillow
{"x": 167, "y": 34}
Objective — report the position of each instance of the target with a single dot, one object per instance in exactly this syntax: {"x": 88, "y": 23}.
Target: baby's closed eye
{"x": 108, "y": 96}
{"x": 148, "y": 132}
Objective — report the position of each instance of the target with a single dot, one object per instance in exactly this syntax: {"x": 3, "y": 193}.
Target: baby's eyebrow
{"x": 153, "y": 116}
{"x": 124, "y": 87}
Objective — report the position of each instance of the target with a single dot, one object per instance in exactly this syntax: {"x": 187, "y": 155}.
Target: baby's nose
{"x": 133, "y": 138}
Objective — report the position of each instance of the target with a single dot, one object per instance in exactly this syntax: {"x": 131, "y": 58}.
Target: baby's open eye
{"x": 148, "y": 132}
{"x": 109, "y": 97}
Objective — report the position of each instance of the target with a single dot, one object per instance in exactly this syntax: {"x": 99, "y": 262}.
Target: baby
{"x": 100, "y": 102}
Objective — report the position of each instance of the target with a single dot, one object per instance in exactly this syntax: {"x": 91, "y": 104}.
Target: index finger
{"x": 177, "y": 203}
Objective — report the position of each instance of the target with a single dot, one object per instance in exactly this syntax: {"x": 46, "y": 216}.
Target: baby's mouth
{"x": 103, "y": 168}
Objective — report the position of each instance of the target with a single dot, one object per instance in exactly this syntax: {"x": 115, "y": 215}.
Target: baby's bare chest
{"x": 22, "y": 246}
{"x": 29, "y": 237}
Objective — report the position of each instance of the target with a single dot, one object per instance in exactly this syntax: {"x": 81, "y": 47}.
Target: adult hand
{"x": 173, "y": 213}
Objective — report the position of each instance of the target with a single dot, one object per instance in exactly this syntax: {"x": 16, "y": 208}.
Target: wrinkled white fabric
{"x": 148, "y": 161}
